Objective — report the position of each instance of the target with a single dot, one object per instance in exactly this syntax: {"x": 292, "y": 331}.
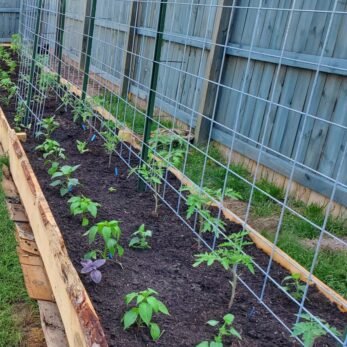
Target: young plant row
{"x": 163, "y": 152}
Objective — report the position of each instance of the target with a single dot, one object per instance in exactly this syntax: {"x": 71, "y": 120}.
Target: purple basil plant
{"x": 91, "y": 267}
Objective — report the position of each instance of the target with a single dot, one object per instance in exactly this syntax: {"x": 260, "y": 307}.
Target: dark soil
{"x": 193, "y": 295}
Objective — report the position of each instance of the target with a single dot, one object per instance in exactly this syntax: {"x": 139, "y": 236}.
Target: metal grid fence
{"x": 264, "y": 78}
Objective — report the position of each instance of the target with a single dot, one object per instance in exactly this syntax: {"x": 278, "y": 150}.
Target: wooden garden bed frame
{"x": 81, "y": 323}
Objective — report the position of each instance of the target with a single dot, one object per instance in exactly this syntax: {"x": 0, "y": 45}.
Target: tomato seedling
{"x": 225, "y": 329}
{"x": 229, "y": 254}
{"x": 310, "y": 330}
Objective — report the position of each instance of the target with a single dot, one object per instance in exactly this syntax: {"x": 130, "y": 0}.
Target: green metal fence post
{"x": 33, "y": 62}
{"x": 60, "y": 35}
{"x": 154, "y": 81}
{"x": 87, "y": 42}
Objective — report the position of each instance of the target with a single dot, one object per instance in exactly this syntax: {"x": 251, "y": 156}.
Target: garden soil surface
{"x": 192, "y": 295}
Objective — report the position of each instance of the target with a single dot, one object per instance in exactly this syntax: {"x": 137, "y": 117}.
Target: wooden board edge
{"x": 82, "y": 325}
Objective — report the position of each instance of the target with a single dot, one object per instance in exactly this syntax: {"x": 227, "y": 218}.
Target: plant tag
{"x": 116, "y": 171}
{"x": 84, "y": 127}
{"x": 93, "y": 138}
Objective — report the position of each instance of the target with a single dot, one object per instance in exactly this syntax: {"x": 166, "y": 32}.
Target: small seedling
{"x": 199, "y": 203}
{"x": 91, "y": 267}
{"x": 54, "y": 168}
{"x": 111, "y": 142}
{"x": 47, "y": 81}
{"x": 217, "y": 194}
{"x": 141, "y": 314}
{"x": 226, "y": 329}
{"x": 110, "y": 232}
{"x": 66, "y": 100}
{"x": 311, "y": 330}
{"x": 294, "y": 286}
{"x": 112, "y": 190}
{"x": 83, "y": 206}
{"x": 19, "y": 116}
{"x": 48, "y": 126}
{"x": 140, "y": 238}
{"x": 16, "y": 43}
{"x": 10, "y": 87}
{"x": 62, "y": 178}
{"x": 229, "y": 254}
{"x": 82, "y": 112}
{"x": 51, "y": 150}
{"x": 82, "y": 146}
{"x": 151, "y": 172}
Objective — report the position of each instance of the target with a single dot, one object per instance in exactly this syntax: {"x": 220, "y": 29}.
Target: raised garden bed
{"x": 192, "y": 295}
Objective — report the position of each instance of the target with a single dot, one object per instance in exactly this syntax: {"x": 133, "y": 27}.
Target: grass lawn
{"x": 17, "y": 311}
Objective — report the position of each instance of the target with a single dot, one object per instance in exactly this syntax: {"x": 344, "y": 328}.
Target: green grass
{"x": 127, "y": 113}
{"x": 12, "y": 289}
{"x": 331, "y": 264}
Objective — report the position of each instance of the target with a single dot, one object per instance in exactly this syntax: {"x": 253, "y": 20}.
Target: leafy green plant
{"x": 54, "y": 168}
{"x": 16, "y": 43}
{"x": 310, "y": 330}
{"x": 48, "y": 126}
{"x": 62, "y": 177}
{"x": 19, "y": 116}
{"x": 83, "y": 206}
{"x": 10, "y": 87}
{"x": 66, "y": 100}
{"x": 142, "y": 314}
{"x": 52, "y": 150}
{"x": 229, "y": 254}
{"x": 82, "y": 111}
{"x": 225, "y": 329}
{"x": 140, "y": 238}
{"x": 82, "y": 146}
{"x": 294, "y": 286}
{"x": 199, "y": 203}
{"x": 151, "y": 172}
{"x": 47, "y": 81}
{"x": 110, "y": 144}
{"x": 110, "y": 232}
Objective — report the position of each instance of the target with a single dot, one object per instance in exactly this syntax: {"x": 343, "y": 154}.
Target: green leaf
{"x": 93, "y": 210}
{"x": 55, "y": 183}
{"x": 129, "y": 318}
{"x": 203, "y": 344}
{"x": 234, "y": 332}
{"x": 163, "y": 308}
{"x": 130, "y": 297}
{"x": 145, "y": 311}
{"x": 154, "y": 303}
{"x": 213, "y": 322}
{"x": 229, "y": 318}
{"x": 155, "y": 331}
{"x": 216, "y": 344}
{"x": 85, "y": 221}
{"x": 63, "y": 191}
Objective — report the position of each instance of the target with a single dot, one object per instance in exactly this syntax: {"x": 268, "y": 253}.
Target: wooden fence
{"x": 9, "y": 19}
{"x": 260, "y": 85}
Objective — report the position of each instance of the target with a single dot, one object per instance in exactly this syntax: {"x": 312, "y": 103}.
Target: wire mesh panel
{"x": 244, "y": 101}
